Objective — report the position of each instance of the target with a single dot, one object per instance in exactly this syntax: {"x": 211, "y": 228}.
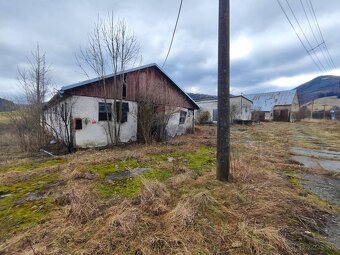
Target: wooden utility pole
{"x": 324, "y": 111}
{"x": 223, "y": 123}
{"x": 311, "y": 114}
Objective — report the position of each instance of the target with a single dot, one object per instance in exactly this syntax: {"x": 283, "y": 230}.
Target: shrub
{"x": 203, "y": 117}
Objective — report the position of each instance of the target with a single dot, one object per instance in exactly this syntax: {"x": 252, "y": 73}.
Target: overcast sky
{"x": 266, "y": 55}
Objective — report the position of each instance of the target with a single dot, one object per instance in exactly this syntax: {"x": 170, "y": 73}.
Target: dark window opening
{"x": 125, "y": 110}
{"x": 124, "y": 87}
{"x": 78, "y": 124}
{"x": 105, "y": 112}
{"x": 215, "y": 114}
{"x": 65, "y": 111}
{"x": 182, "y": 117}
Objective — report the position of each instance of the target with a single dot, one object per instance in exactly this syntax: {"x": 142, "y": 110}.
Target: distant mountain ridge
{"x": 201, "y": 97}
{"x": 6, "y": 105}
{"x": 322, "y": 86}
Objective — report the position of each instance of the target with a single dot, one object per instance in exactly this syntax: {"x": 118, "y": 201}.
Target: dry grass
{"x": 258, "y": 212}
{"x": 81, "y": 205}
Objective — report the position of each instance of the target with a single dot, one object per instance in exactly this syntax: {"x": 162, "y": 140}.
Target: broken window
{"x": 125, "y": 110}
{"x": 105, "y": 111}
{"x": 78, "y": 124}
{"x": 182, "y": 117}
{"x": 215, "y": 114}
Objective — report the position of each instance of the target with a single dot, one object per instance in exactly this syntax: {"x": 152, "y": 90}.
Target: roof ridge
{"x": 83, "y": 83}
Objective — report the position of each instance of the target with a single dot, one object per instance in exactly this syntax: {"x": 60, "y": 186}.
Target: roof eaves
{"x": 79, "y": 84}
{"x": 83, "y": 83}
{"x": 197, "y": 107}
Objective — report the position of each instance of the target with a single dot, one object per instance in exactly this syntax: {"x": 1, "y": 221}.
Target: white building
{"x": 240, "y": 108}
{"x": 84, "y": 114}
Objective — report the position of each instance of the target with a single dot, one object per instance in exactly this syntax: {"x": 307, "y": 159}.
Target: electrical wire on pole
{"x": 304, "y": 34}
{"x": 174, "y": 32}
{"x": 297, "y": 34}
{"x": 319, "y": 29}
{"x": 320, "y": 44}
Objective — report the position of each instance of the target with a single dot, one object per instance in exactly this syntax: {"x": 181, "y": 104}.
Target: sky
{"x": 266, "y": 54}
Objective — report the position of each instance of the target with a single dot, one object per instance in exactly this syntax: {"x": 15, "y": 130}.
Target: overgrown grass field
{"x": 67, "y": 206}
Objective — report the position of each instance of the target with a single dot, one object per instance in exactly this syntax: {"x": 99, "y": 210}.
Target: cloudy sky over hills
{"x": 265, "y": 53}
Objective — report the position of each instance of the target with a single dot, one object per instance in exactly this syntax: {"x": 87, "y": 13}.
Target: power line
{"x": 316, "y": 20}
{"x": 310, "y": 45}
{"x": 320, "y": 44}
{"x": 297, "y": 34}
{"x": 173, "y": 34}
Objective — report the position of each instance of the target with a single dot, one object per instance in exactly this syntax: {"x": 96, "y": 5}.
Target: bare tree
{"x": 59, "y": 120}
{"x": 112, "y": 47}
{"x": 94, "y": 58}
{"x": 155, "y": 109}
{"x": 29, "y": 120}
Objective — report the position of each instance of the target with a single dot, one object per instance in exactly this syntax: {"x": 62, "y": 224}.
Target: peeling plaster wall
{"x": 173, "y": 127}
{"x": 94, "y": 133}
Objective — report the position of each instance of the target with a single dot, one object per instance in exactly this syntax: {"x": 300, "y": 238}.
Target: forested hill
{"x": 322, "y": 86}
{"x": 6, "y": 105}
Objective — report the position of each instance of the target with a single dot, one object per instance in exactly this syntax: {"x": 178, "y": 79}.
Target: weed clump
{"x": 82, "y": 205}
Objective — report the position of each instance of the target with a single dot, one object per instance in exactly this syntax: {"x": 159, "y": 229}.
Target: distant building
{"x": 240, "y": 108}
{"x": 88, "y": 110}
{"x": 275, "y": 106}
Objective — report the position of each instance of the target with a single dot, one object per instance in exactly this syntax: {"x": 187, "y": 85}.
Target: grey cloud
{"x": 61, "y": 27}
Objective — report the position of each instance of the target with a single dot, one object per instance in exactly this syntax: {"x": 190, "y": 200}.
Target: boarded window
{"x": 215, "y": 114}
{"x": 182, "y": 117}
{"x": 78, "y": 124}
{"x": 125, "y": 110}
{"x": 105, "y": 112}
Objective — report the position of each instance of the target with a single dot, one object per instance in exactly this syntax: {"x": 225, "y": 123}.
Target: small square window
{"x": 78, "y": 124}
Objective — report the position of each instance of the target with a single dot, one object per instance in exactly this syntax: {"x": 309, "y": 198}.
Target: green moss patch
{"x": 201, "y": 160}
{"x": 16, "y": 215}
{"x": 294, "y": 180}
{"x": 102, "y": 170}
{"x": 32, "y": 166}
{"x": 129, "y": 186}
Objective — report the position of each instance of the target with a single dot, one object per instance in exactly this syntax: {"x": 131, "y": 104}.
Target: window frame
{"x": 76, "y": 127}
{"x": 107, "y": 112}
{"x": 125, "y": 111}
{"x": 182, "y": 117}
